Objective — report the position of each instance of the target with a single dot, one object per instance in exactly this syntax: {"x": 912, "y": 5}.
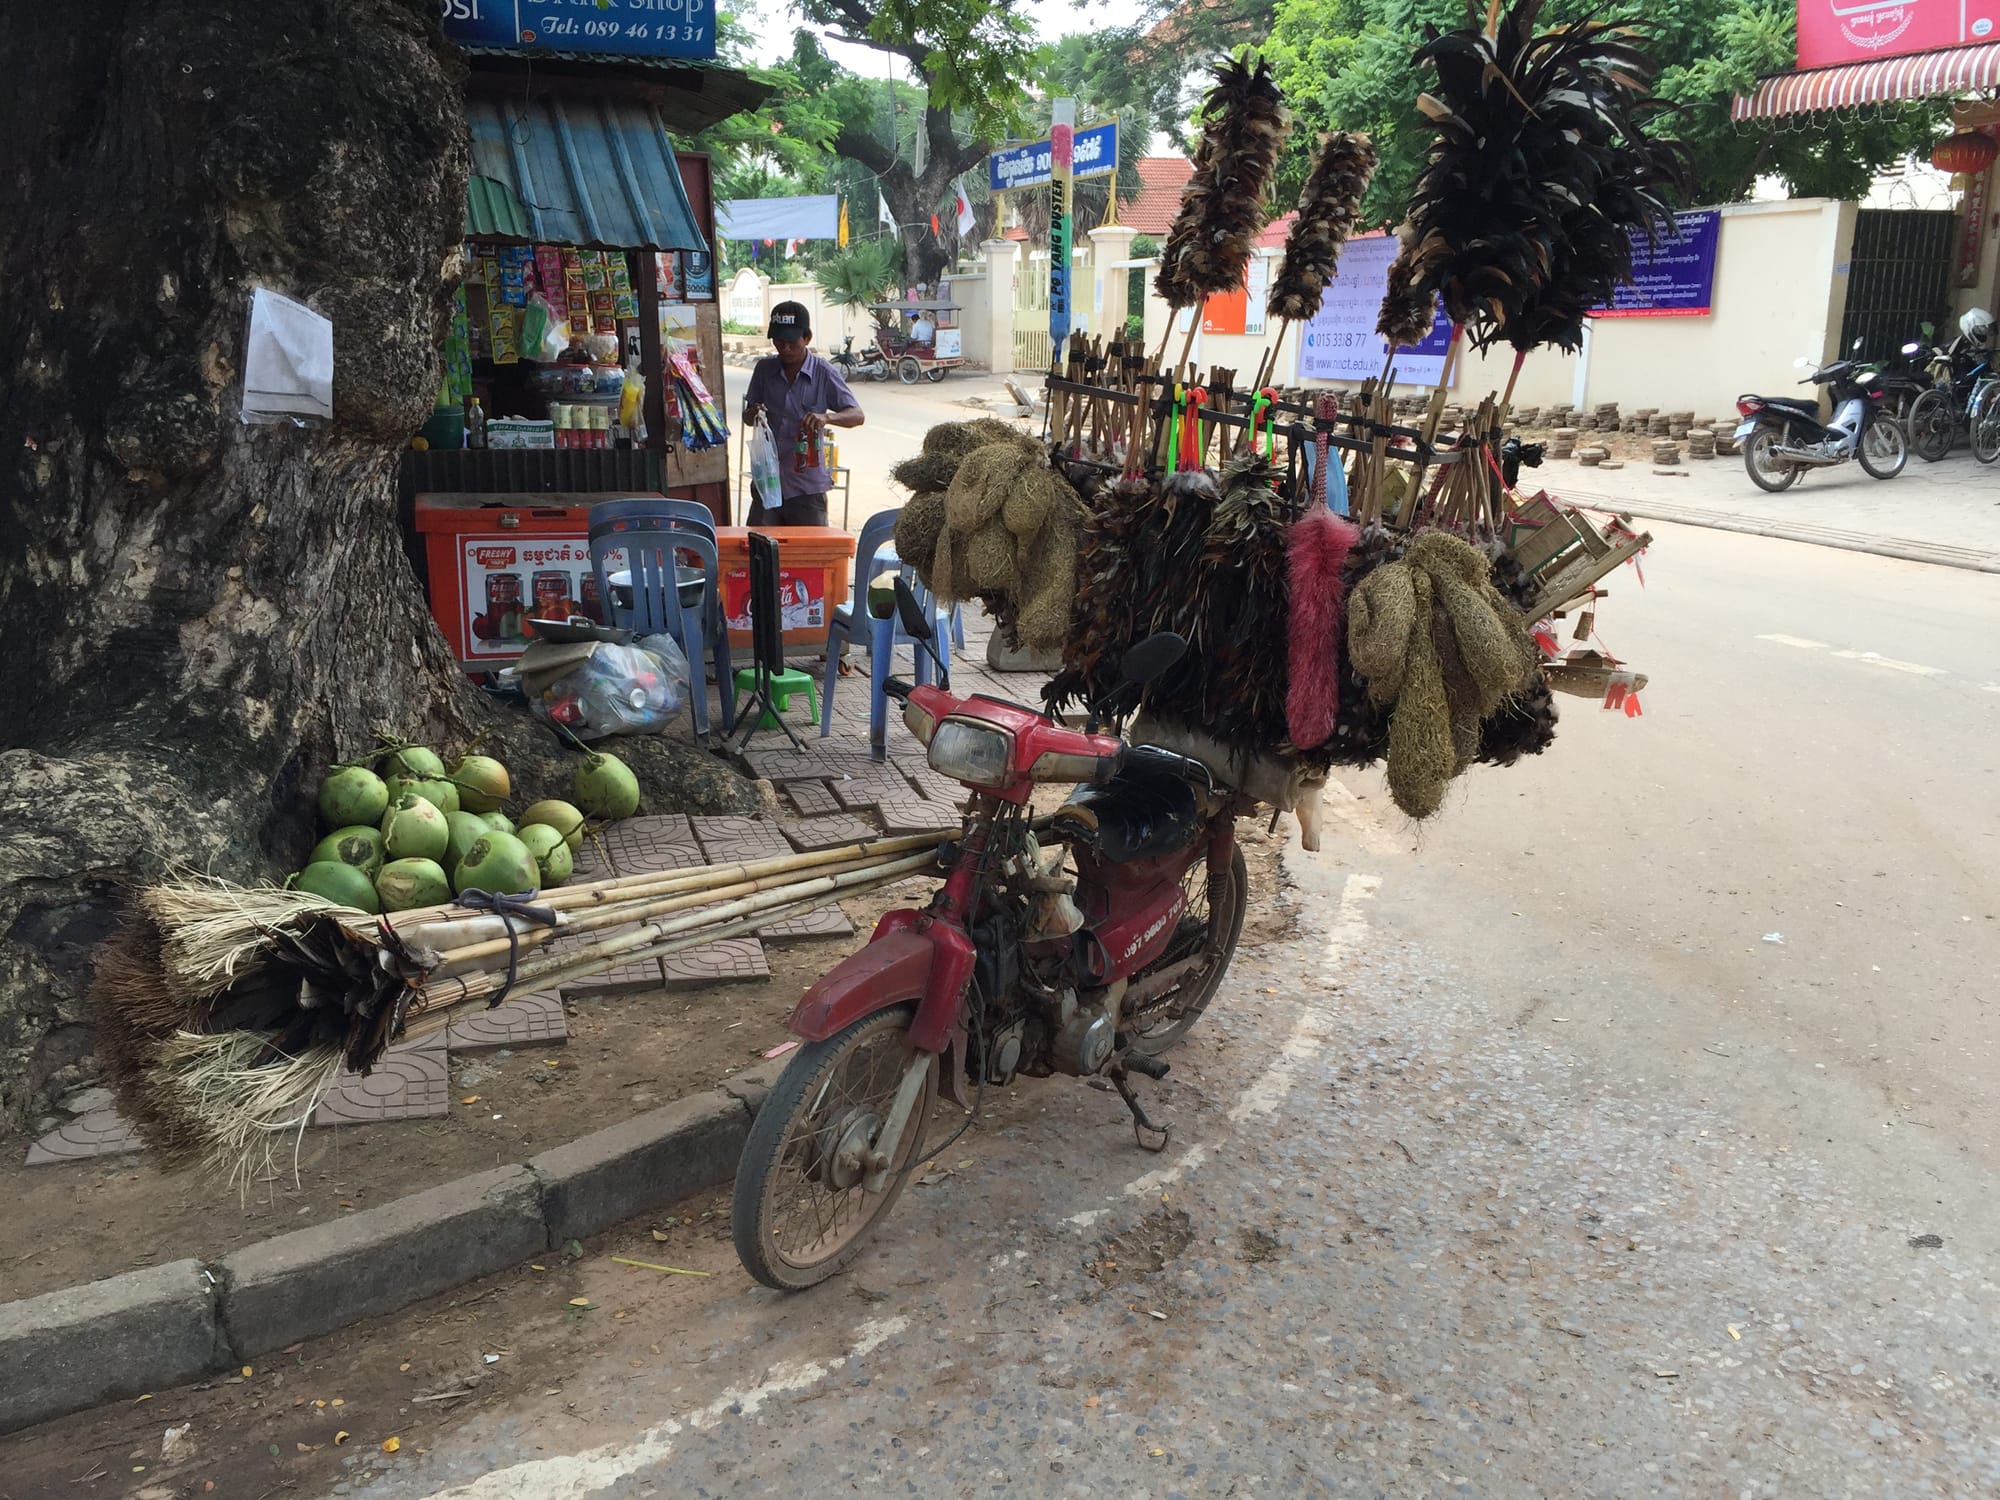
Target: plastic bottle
{"x": 475, "y": 425}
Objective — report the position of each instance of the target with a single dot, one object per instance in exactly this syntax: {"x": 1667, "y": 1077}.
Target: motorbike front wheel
{"x": 1882, "y": 449}
{"x": 880, "y": 369}
{"x": 801, "y": 1211}
{"x": 1933, "y": 424}
{"x": 1210, "y": 926}
{"x": 1760, "y": 461}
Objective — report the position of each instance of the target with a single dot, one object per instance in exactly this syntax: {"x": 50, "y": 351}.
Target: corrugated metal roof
{"x": 580, "y": 172}
{"x": 493, "y": 212}
{"x": 692, "y": 94}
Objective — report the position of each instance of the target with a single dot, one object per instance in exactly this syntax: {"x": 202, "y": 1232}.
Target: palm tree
{"x": 866, "y": 272}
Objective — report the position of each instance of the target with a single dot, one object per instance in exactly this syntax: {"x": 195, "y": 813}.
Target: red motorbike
{"x": 1086, "y": 940}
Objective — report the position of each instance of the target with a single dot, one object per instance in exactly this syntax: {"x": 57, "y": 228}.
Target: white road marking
{"x": 1338, "y": 802}
{"x": 1989, "y": 687}
{"x": 1315, "y": 1023}
{"x": 1877, "y": 659}
{"x": 1152, "y": 1182}
{"x": 1795, "y": 640}
{"x": 573, "y": 1476}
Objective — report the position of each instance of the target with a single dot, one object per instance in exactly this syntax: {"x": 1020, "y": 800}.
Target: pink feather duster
{"x": 1316, "y": 550}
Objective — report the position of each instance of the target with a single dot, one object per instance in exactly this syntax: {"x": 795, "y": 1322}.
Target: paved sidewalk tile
{"x": 626, "y": 979}
{"x": 813, "y": 799}
{"x": 411, "y": 1082}
{"x": 916, "y": 815}
{"x": 639, "y": 846}
{"x": 518, "y": 1021}
{"x": 100, "y": 1132}
{"x": 725, "y": 961}
{"x": 821, "y": 922}
{"x": 728, "y": 840}
{"x": 831, "y": 833}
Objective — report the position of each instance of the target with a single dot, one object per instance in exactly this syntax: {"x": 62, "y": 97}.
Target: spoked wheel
{"x": 880, "y": 370}
{"x": 1882, "y": 450}
{"x": 1761, "y": 462}
{"x": 1986, "y": 433}
{"x": 935, "y": 373}
{"x": 802, "y": 1209}
{"x": 1932, "y": 425}
{"x": 1208, "y": 931}
{"x": 910, "y": 371}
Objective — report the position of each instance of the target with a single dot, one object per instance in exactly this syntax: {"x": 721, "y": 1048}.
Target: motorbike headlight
{"x": 976, "y": 753}
{"x": 918, "y": 722}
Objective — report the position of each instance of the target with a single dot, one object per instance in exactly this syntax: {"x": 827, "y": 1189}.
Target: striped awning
{"x": 1922, "y": 75}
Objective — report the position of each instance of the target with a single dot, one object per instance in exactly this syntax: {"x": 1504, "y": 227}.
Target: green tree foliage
{"x": 1346, "y": 64}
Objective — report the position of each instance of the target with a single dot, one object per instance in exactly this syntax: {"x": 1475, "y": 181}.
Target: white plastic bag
{"x": 638, "y": 689}
{"x": 766, "y": 483}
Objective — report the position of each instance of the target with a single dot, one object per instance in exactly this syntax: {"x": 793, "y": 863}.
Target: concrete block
{"x": 143, "y": 1331}
{"x": 310, "y": 1282}
{"x": 647, "y": 1162}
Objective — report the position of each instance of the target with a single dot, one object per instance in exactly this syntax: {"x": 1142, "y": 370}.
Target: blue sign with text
{"x": 1096, "y": 155}
{"x": 1674, "y": 278}
{"x": 627, "y": 28}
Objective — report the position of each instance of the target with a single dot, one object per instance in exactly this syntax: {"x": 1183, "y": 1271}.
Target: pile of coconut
{"x": 406, "y": 833}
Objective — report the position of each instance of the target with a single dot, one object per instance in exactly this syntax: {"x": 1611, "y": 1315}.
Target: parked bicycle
{"x": 1938, "y": 415}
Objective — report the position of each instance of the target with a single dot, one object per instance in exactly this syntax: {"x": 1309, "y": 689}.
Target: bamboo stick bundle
{"x": 252, "y": 1065}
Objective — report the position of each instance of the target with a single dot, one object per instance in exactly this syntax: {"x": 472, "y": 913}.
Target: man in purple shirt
{"x": 799, "y": 394}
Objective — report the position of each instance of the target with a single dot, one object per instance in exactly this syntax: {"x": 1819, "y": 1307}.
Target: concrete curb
{"x": 1908, "y": 549}
{"x": 147, "y": 1330}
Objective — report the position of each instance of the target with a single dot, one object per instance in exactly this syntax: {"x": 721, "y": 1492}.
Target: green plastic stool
{"x": 783, "y": 685}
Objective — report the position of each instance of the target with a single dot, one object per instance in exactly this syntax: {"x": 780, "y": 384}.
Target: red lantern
{"x": 1969, "y": 151}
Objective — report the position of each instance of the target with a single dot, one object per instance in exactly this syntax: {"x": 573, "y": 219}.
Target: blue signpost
{"x": 627, "y": 28}
{"x": 1093, "y": 153}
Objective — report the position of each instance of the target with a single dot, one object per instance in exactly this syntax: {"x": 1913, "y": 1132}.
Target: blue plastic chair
{"x": 652, "y": 536}
{"x": 876, "y": 553}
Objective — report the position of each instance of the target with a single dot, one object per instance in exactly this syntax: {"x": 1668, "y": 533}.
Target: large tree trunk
{"x": 913, "y": 196}
{"x": 201, "y": 615}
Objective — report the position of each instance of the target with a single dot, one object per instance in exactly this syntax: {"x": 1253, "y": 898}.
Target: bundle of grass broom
{"x": 226, "y": 1012}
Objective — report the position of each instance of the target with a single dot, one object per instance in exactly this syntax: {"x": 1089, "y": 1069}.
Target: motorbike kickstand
{"x": 1141, "y": 1126}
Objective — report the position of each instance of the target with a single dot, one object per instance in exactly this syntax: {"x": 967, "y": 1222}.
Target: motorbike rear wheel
{"x": 801, "y": 1212}
{"x": 909, "y": 370}
{"x": 1766, "y": 470}
{"x": 1211, "y": 924}
{"x": 1882, "y": 449}
{"x": 1933, "y": 425}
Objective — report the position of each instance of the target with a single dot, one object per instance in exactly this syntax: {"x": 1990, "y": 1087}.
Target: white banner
{"x": 1341, "y": 342}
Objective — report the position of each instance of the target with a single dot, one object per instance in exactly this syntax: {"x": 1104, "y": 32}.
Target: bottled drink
{"x": 475, "y": 425}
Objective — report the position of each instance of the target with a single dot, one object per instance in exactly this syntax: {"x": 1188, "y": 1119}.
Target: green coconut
{"x": 414, "y": 829}
{"x": 552, "y": 856}
{"x": 406, "y": 884}
{"x": 414, "y": 761}
{"x": 500, "y": 863}
{"x": 562, "y": 817}
{"x": 435, "y": 790}
{"x": 352, "y": 794}
{"x": 342, "y": 884}
{"x": 499, "y": 822}
{"x": 466, "y": 829}
{"x": 482, "y": 782}
{"x": 359, "y": 846}
{"x": 606, "y": 787}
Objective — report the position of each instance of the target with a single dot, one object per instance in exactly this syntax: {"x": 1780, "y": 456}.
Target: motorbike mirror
{"x": 1152, "y": 656}
{"x": 1912, "y": 347}
{"x": 915, "y": 623}
{"x": 1856, "y": 346}
{"x": 1803, "y": 363}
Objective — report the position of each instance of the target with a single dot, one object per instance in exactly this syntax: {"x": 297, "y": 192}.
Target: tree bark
{"x": 914, "y": 196}
{"x": 202, "y": 615}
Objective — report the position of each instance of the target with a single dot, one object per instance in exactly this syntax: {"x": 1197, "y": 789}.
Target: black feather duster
{"x": 1243, "y": 131}
{"x": 1327, "y": 210}
{"x": 1532, "y": 132}
{"x": 1408, "y": 310}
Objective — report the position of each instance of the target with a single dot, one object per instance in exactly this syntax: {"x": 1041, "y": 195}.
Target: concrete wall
{"x": 1780, "y": 286}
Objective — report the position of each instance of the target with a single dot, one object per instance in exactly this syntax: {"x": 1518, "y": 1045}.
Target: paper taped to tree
{"x": 288, "y": 362}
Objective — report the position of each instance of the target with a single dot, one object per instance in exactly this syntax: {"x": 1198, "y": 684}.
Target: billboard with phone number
{"x": 625, "y": 28}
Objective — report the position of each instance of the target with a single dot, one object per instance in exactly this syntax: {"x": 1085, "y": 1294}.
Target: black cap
{"x": 789, "y": 320}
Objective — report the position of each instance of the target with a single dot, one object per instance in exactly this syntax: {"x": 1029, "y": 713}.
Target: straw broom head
{"x": 1328, "y": 208}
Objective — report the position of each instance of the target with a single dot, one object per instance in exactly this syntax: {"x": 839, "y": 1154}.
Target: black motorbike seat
{"x": 1141, "y": 813}
{"x": 1800, "y": 405}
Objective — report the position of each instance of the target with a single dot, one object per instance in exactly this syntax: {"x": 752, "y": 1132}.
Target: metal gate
{"x": 1031, "y": 312}
{"x": 1898, "y": 278}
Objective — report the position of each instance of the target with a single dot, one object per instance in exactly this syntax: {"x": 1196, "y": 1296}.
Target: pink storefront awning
{"x": 1922, "y": 75}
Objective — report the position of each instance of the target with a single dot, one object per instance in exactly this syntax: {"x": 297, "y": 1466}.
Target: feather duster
{"x": 1246, "y": 632}
{"x": 1316, "y": 553}
{"x": 1243, "y": 131}
{"x": 1408, "y": 310}
{"x": 1361, "y": 729}
{"x": 1531, "y": 131}
{"x": 1327, "y": 210}
{"x": 1102, "y": 613}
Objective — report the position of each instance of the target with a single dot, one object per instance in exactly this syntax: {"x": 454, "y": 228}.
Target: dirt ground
{"x": 320, "y": 1412}
{"x": 626, "y": 1054}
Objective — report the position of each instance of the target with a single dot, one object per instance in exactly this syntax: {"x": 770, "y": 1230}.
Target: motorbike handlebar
{"x": 896, "y": 688}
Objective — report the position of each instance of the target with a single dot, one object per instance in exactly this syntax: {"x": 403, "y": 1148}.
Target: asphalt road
{"x": 1525, "y": 1164}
